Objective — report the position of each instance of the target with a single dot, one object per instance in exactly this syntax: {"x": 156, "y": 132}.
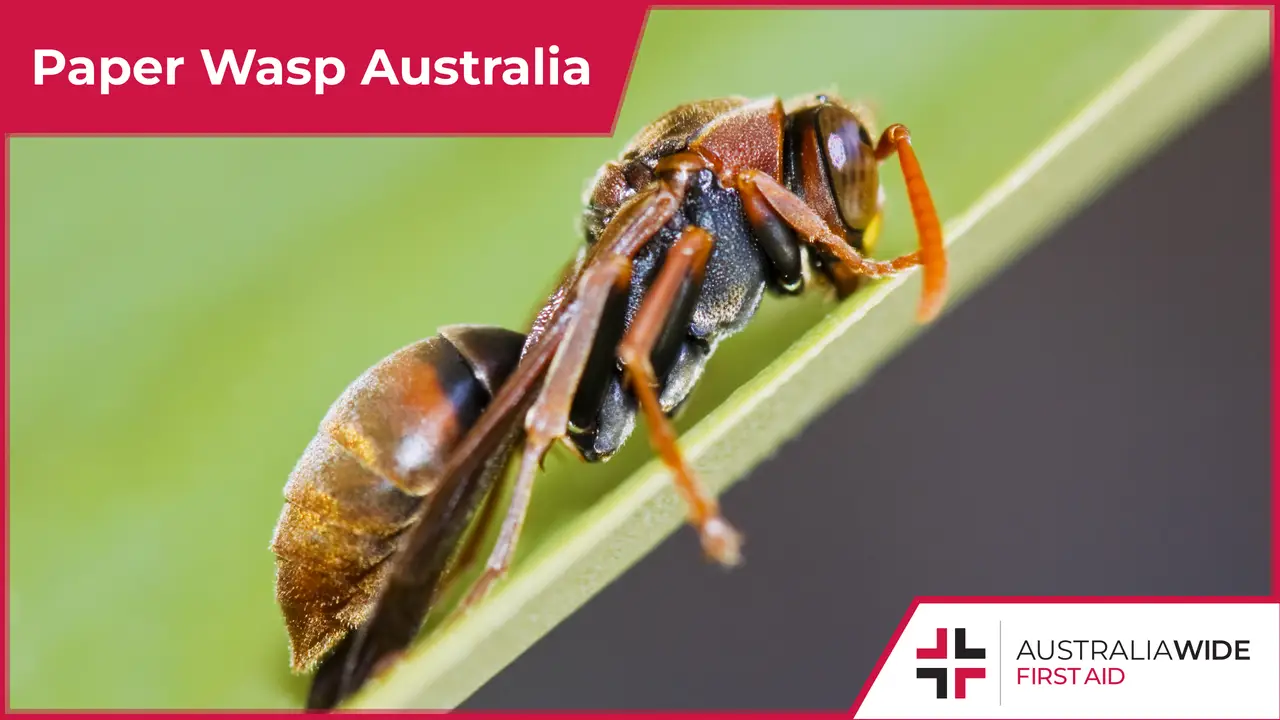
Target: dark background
{"x": 1093, "y": 421}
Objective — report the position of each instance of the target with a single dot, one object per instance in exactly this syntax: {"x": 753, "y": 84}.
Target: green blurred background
{"x": 184, "y": 310}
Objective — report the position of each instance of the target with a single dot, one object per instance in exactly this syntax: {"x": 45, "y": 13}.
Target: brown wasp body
{"x": 708, "y": 207}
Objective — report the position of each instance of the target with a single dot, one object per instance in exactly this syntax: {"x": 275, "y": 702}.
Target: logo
{"x": 962, "y": 674}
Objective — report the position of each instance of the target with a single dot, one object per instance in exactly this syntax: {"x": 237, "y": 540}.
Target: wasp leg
{"x": 795, "y": 212}
{"x": 759, "y": 188}
{"x": 643, "y": 216}
{"x": 607, "y": 271}
{"x": 682, "y": 273}
{"x": 548, "y": 418}
{"x": 479, "y": 530}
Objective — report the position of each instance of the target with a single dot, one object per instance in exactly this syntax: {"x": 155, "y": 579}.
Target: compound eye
{"x": 851, "y": 165}
{"x": 864, "y": 136}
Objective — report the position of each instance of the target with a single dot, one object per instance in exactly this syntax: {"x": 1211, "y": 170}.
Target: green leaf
{"x": 184, "y": 310}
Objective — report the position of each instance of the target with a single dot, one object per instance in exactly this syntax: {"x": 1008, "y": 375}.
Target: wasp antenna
{"x": 933, "y": 255}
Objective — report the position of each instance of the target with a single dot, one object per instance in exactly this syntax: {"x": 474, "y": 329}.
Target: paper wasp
{"x": 708, "y": 207}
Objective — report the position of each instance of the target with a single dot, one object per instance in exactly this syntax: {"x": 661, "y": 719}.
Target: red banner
{"x": 251, "y": 68}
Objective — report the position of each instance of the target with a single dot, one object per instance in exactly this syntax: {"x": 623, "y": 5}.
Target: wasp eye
{"x": 864, "y": 136}
{"x": 851, "y": 164}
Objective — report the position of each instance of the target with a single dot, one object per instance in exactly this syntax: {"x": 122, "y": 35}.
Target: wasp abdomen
{"x": 362, "y": 478}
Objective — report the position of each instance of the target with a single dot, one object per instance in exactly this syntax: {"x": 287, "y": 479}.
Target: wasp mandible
{"x": 709, "y": 207}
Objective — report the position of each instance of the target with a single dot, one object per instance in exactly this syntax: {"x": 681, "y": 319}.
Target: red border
{"x": 11, "y": 123}
{"x": 1275, "y": 316}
